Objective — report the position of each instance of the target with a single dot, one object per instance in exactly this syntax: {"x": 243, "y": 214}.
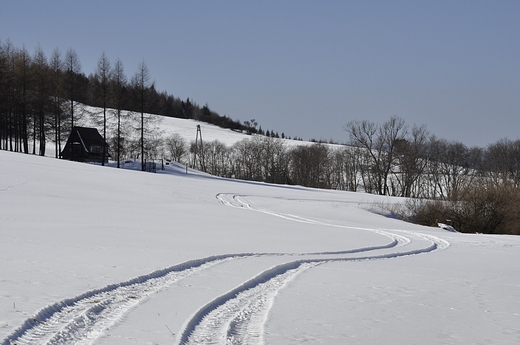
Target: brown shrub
{"x": 481, "y": 207}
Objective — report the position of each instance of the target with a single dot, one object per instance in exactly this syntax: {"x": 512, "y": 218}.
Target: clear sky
{"x": 305, "y": 68}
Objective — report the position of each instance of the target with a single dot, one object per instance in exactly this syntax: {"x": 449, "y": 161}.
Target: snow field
{"x": 221, "y": 261}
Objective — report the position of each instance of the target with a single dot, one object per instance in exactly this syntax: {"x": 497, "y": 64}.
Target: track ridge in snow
{"x": 236, "y": 317}
{"x": 239, "y": 316}
{"x": 83, "y": 318}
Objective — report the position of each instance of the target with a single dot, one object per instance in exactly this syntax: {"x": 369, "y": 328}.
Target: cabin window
{"x": 96, "y": 149}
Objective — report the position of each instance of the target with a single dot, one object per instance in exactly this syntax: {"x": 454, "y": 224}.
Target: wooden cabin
{"x": 85, "y": 145}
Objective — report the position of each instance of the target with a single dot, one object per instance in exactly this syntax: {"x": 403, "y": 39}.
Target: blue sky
{"x": 305, "y": 68}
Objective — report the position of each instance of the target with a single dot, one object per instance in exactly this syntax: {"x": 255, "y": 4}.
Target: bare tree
{"x": 42, "y": 96}
{"x": 56, "y": 67}
{"x": 141, "y": 81}
{"x": 346, "y": 167}
{"x": 72, "y": 68}
{"x": 3, "y": 96}
{"x": 103, "y": 75}
{"x": 8, "y": 105}
{"x": 455, "y": 168}
{"x": 118, "y": 85}
{"x": 176, "y": 147}
{"x": 215, "y": 158}
{"x": 379, "y": 141}
{"x": 274, "y": 160}
{"x": 248, "y": 155}
{"x": 411, "y": 161}
{"x": 22, "y": 73}
{"x": 502, "y": 160}
{"x": 310, "y": 166}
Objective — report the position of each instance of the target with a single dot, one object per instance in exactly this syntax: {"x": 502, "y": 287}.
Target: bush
{"x": 482, "y": 207}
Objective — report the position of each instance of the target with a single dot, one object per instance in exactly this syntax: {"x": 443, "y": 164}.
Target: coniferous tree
{"x": 5, "y": 91}
{"x": 102, "y": 77}
{"x": 41, "y": 99}
{"x": 72, "y": 69}
{"x": 118, "y": 86}
{"x": 9, "y": 52}
{"x": 56, "y": 68}
{"x": 140, "y": 82}
{"x": 22, "y": 75}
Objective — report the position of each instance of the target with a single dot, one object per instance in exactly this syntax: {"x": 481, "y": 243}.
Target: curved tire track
{"x": 238, "y": 316}
{"x": 83, "y": 318}
{"x": 235, "y": 317}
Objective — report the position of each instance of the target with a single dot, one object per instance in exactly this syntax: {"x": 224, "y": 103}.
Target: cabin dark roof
{"x": 85, "y": 144}
{"x": 88, "y": 137}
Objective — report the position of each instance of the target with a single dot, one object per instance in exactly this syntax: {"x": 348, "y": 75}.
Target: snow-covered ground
{"x": 98, "y": 255}
{"x": 166, "y": 126}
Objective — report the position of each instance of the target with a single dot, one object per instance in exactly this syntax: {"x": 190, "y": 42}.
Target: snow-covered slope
{"x": 166, "y": 126}
{"x": 97, "y": 255}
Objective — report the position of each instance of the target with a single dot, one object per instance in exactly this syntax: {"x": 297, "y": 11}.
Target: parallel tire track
{"x": 238, "y": 317}
{"x": 83, "y": 318}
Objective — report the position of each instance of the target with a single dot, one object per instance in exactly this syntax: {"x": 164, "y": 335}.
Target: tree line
{"x": 387, "y": 159}
{"x": 40, "y": 96}
{"x": 474, "y": 189}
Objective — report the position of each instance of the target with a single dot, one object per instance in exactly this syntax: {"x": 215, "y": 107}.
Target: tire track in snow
{"x": 82, "y": 319}
{"x": 236, "y": 201}
{"x": 239, "y": 316}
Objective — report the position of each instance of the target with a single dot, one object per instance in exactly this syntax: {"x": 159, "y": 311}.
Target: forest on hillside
{"x": 38, "y": 97}
{"x": 474, "y": 189}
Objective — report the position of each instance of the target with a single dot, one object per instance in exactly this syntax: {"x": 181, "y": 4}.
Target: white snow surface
{"x": 98, "y": 255}
{"x": 186, "y": 128}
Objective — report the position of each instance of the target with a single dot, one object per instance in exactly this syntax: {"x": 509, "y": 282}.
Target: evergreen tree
{"x": 72, "y": 68}
{"x": 56, "y": 66}
{"x": 102, "y": 77}
{"x": 118, "y": 86}
{"x": 22, "y": 74}
{"x": 140, "y": 82}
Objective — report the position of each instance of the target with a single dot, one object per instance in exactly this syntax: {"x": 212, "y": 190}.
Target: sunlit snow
{"x": 98, "y": 255}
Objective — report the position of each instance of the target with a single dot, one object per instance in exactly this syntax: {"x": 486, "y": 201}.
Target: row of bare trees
{"x": 386, "y": 159}
{"x": 413, "y": 163}
{"x": 474, "y": 189}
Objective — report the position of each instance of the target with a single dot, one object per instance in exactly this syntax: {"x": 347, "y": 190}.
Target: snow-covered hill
{"x": 166, "y": 126}
{"x": 96, "y": 255}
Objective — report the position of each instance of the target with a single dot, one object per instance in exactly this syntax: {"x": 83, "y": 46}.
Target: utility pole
{"x": 198, "y": 139}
